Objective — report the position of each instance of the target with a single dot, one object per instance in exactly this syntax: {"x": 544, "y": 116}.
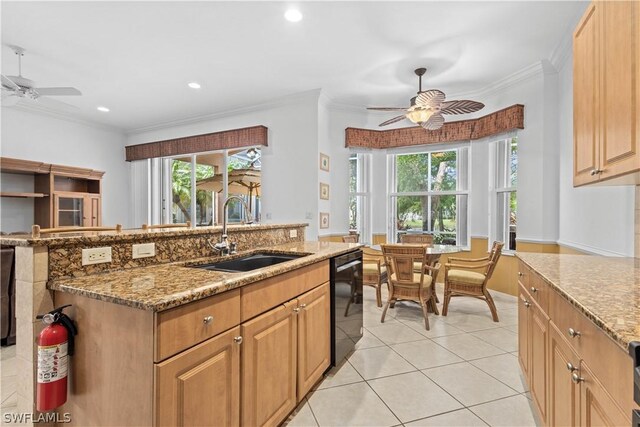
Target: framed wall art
{"x": 324, "y": 220}
{"x": 324, "y": 162}
{"x": 324, "y": 191}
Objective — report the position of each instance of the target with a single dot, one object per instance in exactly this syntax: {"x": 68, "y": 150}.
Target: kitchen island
{"x": 578, "y": 324}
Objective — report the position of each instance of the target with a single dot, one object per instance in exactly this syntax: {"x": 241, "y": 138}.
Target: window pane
{"x": 506, "y": 219}
{"x": 443, "y": 219}
{"x": 180, "y": 190}
{"x": 412, "y": 214}
{"x": 208, "y": 187}
{"x": 412, "y": 172}
{"x": 244, "y": 169}
{"x": 513, "y": 162}
{"x": 513, "y": 220}
{"x": 353, "y": 173}
{"x": 443, "y": 171}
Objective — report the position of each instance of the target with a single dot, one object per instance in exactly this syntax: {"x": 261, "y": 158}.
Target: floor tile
{"x": 368, "y": 340}
{"x": 425, "y": 354}
{"x": 395, "y": 333}
{"x": 468, "y": 384}
{"x": 11, "y": 400}
{"x": 7, "y": 352}
{"x": 437, "y": 327}
{"x": 504, "y": 367}
{"x": 460, "y": 418}
{"x": 510, "y": 412}
{"x": 8, "y": 367}
{"x": 379, "y": 362}
{"x": 472, "y": 322}
{"x": 302, "y": 417}
{"x": 512, "y": 328}
{"x": 413, "y": 396}
{"x": 350, "y": 405}
{"x": 467, "y": 346}
{"x": 508, "y": 317}
{"x": 8, "y": 387}
{"x": 500, "y": 337}
{"x": 340, "y": 375}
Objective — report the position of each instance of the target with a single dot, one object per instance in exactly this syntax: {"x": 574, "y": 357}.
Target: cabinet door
{"x": 539, "y": 340}
{"x": 201, "y": 386}
{"x": 269, "y": 366}
{"x": 598, "y": 408}
{"x": 92, "y": 211}
{"x": 524, "y": 312}
{"x": 68, "y": 211}
{"x": 314, "y": 337}
{"x": 585, "y": 97}
{"x": 619, "y": 145}
{"x": 564, "y": 394}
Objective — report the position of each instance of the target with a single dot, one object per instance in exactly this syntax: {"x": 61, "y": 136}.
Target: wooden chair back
{"x": 494, "y": 256}
{"x": 422, "y": 239}
{"x": 351, "y": 238}
{"x": 36, "y": 231}
{"x": 400, "y": 260}
{"x": 157, "y": 226}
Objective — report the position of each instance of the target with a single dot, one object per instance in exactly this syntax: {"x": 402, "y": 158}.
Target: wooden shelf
{"x": 22, "y": 195}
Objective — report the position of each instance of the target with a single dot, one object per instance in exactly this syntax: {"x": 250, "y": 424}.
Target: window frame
{"x": 362, "y": 194}
{"x": 499, "y": 177}
{"x": 463, "y": 171}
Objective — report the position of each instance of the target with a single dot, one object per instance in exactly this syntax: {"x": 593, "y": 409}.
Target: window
{"x": 200, "y": 183}
{"x": 359, "y": 211}
{"x": 428, "y": 194}
{"x": 506, "y": 182}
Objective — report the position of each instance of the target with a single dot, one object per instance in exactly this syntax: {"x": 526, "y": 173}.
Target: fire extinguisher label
{"x": 52, "y": 363}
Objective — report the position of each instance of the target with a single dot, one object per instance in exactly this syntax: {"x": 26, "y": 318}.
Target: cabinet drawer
{"x": 539, "y": 291}
{"x": 608, "y": 361}
{"x": 190, "y": 324}
{"x": 523, "y": 274}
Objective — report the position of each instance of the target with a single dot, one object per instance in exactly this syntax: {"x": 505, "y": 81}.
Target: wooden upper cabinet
{"x": 585, "y": 93}
{"x": 606, "y": 94}
{"x": 314, "y": 337}
{"x": 201, "y": 386}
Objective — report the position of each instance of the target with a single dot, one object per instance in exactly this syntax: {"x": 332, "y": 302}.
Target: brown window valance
{"x": 234, "y": 138}
{"x": 495, "y": 123}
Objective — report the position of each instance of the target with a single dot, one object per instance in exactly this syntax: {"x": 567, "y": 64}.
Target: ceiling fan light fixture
{"x": 293, "y": 15}
{"x": 194, "y": 85}
{"x": 103, "y": 109}
{"x": 419, "y": 115}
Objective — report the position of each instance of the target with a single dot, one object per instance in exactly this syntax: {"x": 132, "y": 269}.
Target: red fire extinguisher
{"x": 55, "y": 345}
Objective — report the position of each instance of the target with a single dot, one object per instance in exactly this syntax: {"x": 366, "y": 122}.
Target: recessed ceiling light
{"x": 293, "y": 15}
{"x": 194, "y": 85}
{"x": 103, "y": 109}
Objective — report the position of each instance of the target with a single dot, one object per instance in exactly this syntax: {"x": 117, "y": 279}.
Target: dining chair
{"x": 36, "y": 231}
{"x": 374, "y": 271}
{"x": 351, "y": 238}
{"x": 404, "y": 282}
{"x": 469, "y": 277}
{"x": 158, "y": 226}
{"x": 422, "y": 239}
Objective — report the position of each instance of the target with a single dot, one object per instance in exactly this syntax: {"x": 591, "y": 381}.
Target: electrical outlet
{"x": 308, "y": 215}
{"x": 96, "y": 255}
{"x": 293, "y": 233}
{"x": 143, "y": 250}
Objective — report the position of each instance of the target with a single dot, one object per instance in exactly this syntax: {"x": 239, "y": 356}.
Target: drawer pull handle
{"x": 596, "y": 172}
{"x": 303, "y": 305}
{"x": 573, "y": 333}
{"x": 296, "y": 310}
{"x": 527, "y": 304}
{"x": 534, "y": 289}
{"x": 577, "y": 379}
{"x": 237, "y": 340}
{"x": 207, "y": 320}
{"x": 520, "y": 274}
{"x": 570, "y": 367}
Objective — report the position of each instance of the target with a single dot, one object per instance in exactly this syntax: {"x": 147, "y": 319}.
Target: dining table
{"x": 434, "y": 252}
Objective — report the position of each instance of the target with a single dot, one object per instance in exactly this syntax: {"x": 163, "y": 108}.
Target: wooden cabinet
{"x": 564, "y": 394}
{"x": 269, "y": 358}
{"x": 77, "y": 210}
{"x": 201, "y": 386}
{"x": 314, "y": 337}
{"x": 577, "y": 375}
{"x": 606, "y": 75}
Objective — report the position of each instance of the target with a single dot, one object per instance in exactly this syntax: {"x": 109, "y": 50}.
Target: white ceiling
{"x": 137, "y": 57}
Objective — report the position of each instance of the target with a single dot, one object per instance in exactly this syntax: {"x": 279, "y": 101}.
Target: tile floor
{"x": 462, "y": 372}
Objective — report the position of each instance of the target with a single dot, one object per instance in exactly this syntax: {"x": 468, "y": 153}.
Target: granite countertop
{"x": 605, "y": 289}
{"x": 163, "y": 286}
{"x": 89, "y": 237}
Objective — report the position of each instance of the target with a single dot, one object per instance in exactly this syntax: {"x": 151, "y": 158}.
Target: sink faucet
{"x": 223, "y": 247}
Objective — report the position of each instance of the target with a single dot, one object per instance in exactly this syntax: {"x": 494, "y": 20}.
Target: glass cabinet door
{"x": 70, "y": 211}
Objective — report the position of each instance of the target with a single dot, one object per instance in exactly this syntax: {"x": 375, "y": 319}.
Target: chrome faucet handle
{"x": 233, "y": 246}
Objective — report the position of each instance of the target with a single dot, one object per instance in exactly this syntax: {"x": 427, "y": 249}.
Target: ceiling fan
{"x": 428, "y": 107}
{"x": 18, "y": 87}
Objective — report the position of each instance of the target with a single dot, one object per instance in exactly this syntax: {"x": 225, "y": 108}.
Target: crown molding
{"x": 313, "y": 94}
{"x": 37, "y": 109}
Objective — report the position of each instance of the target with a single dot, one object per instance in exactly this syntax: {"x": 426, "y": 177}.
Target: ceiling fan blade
{"x": 9, "y": 99}
{"x": 387, "y": 108}
{"x": 461, "y": 107}
{"x": 395, "y": 119}
{"x": 435, "y": 122}
{"x": 58, "y": 91}
{"x": 7, "y": 83}
{"x": 430, "y": 98}
{"x": 53, "y": 104}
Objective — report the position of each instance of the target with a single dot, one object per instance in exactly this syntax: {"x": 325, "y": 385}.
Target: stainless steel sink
{"x": 249, "y": 262}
